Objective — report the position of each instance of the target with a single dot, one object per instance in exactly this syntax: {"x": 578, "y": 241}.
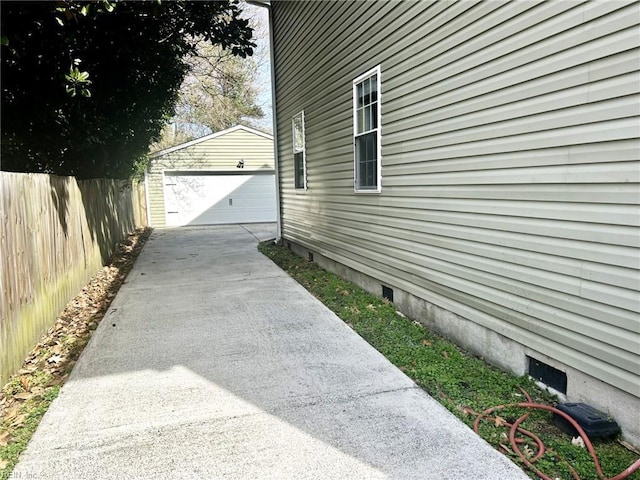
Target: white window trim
{"x": 303, "y": 150}
{"x": 377, "y": 71}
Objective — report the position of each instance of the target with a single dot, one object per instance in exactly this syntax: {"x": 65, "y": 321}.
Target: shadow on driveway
{"x": 213, "y": 363}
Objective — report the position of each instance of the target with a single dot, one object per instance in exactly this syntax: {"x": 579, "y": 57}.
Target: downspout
{"x": 275, "y": 125}
{"x": 266, "y": 4}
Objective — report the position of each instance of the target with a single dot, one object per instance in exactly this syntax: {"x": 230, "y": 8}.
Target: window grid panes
{"x": 367, "y": 105}
{"x": 298, "y": 167}
{"x": 299, "y": 161}
{"x": 366, "y": 133}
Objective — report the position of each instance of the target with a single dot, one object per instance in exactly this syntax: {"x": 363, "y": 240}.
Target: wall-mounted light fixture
{"x": 240, "y": 164}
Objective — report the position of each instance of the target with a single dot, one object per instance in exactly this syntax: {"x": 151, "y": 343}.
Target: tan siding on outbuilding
{"x": 510, "y": 163}
{"x": 218, "y": 152}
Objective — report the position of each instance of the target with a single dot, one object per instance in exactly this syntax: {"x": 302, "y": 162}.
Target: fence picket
{"x": 56, "y": 233}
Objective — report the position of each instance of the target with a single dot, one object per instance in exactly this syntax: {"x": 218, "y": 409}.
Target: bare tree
{"x": 222, "y": 90}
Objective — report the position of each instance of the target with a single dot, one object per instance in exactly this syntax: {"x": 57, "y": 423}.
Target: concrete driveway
{"x": 213, "y": 364}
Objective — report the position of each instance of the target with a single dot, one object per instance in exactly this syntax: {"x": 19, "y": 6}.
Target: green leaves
{"x": 77, "y": 82}
{"x": 108, "y": 6}
{"x": 68, "y": 11}
{"x": 121, "y": 93}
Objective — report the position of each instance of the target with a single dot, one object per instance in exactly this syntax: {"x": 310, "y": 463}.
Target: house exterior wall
{"x": 510, "y": 170}
{"x": 218, "y": 152}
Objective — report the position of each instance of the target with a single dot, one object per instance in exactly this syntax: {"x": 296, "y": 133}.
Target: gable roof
{"x": 209, "y": 137}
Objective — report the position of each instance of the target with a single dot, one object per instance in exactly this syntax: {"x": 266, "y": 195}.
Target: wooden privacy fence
{"x": 56, "y": 233}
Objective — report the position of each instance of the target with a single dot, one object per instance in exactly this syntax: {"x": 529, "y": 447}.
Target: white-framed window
{"x": 299, "y": 154}
{"x": 366, "y": 132}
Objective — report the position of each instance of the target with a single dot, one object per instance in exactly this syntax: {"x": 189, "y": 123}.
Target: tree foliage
{"x": 221, "y": 90}
{"x": 87, "y": 86}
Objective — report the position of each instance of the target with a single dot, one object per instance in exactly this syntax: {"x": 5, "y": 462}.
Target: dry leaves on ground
{"x": 52, "y": 359}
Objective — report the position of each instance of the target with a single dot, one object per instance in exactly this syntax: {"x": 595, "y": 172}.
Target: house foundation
{"x": 496, "y": 349}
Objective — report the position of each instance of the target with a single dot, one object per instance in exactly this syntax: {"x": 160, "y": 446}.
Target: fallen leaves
{"x": 578, "y": 442}
{"x": 37, "y": 390}
{"x": 27, "y": 369}
{"x": 55, "y": 359}
{"x": 23, "y": 396}
{"x": 528, "y": 451}
{"x": 19, "y": 420}
{"x": 11, "y": 413}
{"x": 507, "y": 449}
{"x": 25, "y": 382}
{"x": 47, "y": 366}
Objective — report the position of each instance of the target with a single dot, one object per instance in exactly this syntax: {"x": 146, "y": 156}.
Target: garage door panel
{"x": 218, "y": 199}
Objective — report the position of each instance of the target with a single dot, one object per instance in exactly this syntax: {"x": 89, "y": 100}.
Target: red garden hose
{"x": 515, "y": 427}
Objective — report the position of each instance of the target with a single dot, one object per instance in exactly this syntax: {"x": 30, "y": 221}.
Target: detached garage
{"x": 225, "y": 177}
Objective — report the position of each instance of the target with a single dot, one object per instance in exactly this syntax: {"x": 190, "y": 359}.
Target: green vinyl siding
{"x": 510, "y": 163}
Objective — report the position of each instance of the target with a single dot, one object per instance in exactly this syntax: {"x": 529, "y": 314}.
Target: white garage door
{"x": 217, "y": 199}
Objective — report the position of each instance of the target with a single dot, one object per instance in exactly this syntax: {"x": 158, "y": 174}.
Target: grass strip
{"x": 456, "y": 378}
